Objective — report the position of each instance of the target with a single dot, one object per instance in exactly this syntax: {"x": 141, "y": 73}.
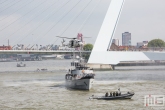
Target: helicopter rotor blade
{"x": 87, "y": 37}
{"x": 65, "y": 37}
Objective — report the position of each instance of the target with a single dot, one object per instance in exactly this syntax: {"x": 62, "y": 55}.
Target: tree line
{"x": 156, "y": 43}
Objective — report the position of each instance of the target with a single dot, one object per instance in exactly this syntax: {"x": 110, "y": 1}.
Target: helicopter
{"x": 74, "y": 42}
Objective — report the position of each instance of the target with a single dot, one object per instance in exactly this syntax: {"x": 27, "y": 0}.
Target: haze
{"x": 40, "y": 21}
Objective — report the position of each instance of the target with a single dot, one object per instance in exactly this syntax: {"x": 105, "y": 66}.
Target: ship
{"x": 80, "y": 76}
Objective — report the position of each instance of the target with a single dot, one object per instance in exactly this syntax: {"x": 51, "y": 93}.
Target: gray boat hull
{"x": 83, "y": 84}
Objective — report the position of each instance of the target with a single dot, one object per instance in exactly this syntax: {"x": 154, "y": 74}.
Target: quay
{"x": 106, "y": 67}
{"x": 143, "y": 63}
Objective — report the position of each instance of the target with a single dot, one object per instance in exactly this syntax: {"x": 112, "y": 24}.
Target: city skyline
{"x": 141, "y": 19}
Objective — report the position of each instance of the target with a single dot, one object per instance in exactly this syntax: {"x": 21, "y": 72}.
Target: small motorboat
{"x": 21, "y": 64}
{"x": 114, "y": 96}
{"x": 44, "y": 69}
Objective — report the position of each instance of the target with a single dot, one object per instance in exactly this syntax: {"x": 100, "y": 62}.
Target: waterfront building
{"x": 5, "y": 47}
{"x": 115, "y": 41}
{"x": 126, "y": 39}
{"x": 114, "y": 47}
{"x": 140, "y": 44}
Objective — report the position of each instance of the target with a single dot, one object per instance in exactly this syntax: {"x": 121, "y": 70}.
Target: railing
{"x": 42, "y": 51}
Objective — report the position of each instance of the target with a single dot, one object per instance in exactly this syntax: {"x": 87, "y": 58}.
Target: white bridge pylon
{"x": 100, "y": 55}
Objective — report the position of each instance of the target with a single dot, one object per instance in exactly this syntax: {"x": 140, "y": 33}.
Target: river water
{"x": 27, "y": 89}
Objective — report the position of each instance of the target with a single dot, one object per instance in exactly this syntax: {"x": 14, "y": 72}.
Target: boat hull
{"x": 83, "y": 84}
{"x": 123, "y": 96}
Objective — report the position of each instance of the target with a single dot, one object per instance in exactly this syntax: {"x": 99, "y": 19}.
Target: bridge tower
{"x": 100, "y": 55}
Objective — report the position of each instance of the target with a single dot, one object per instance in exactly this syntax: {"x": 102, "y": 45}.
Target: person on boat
{"x": 119, "y": 93}
{"x": 110, "y": 94}
{"x": 106, "y": 94}
{"x": 116, "y": 93}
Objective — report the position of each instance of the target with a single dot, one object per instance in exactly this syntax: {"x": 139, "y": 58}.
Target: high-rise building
{"x": 115, "y": 41}
{"x": 126, "y": 39}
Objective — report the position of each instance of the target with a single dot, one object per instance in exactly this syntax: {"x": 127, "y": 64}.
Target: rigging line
{"x": 88, "y": 16}
{"x": 7, "y": 3}
{"x": 33, "y": 18}
{"x": 10, "y": 6}
{"x": 56, "y": 40}
{"x": 22, "y": 16}
{"x": 3, "y": 2}
{"x": 62, "y": 18}
{"x": 45, "y": 20}
{"x": 85, "y": 19}
{"x": 17, "y": 10}
{"x": 76, "y": 17}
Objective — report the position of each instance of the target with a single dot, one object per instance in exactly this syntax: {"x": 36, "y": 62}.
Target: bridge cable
{"x": 43, "y": 21}
{"x": 6, "y": 4}
{"x": 33, "y": 19}
{"x": 62, "y": 18}
{"x": 88, "y": 16}
{"x": 74, "y": 19}
{"x": 22, "y": 16}
{"x": 3, "y": 1}
{"x": 17, "y": 10}
{"x": 10, "y": 6}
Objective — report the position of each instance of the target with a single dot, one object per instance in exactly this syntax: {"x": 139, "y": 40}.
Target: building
{"x": 126, "y": 39}
{"x": 115, "y": 41}
{"x": 114, "y": 47}
{"x": 140, "y": 44}
{"x": 5, "y": 47}
{"x": 145, "y": 43}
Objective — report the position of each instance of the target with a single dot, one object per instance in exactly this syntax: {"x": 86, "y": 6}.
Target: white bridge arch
{"x": 100, "y": 55}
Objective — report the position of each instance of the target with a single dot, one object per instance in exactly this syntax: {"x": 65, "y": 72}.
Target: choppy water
{"x": 24, "y": 88}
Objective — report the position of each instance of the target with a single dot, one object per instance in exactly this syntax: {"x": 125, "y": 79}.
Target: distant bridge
{"x": 40, "y": 52}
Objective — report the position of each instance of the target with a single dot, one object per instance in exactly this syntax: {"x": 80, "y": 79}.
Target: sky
{"x": 40, "y": 21}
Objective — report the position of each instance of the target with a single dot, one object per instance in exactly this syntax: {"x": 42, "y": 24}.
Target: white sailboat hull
{"x": 83, "y": 84}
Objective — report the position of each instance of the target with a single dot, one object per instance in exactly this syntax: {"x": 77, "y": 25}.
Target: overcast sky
{"x": 40, "y": 21}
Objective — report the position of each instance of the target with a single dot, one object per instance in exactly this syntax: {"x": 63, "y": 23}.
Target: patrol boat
{"x": 114, "y": 96}
{"x": 79, "y": 77}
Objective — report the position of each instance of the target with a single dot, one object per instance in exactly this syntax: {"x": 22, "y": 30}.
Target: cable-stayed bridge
{"x": 104, "y": 41}
{"x": 29, "y": 23}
